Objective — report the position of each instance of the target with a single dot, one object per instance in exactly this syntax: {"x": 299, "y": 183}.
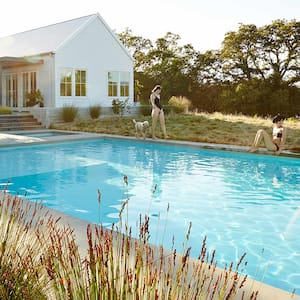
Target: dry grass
{"x": 210, "y": 128}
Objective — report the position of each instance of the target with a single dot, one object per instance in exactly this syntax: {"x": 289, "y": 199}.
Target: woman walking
{"x": 157, "y": 111}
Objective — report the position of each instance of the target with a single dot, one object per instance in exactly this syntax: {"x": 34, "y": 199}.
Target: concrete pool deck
{"x": 12, "y": 139}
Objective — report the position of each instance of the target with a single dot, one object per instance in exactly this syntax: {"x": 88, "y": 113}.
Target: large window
{"x": 66, "y": 82}
{"x": 80, "y": 83}
{"x": 118, "y": 84}
{"x": 72, "y": 82}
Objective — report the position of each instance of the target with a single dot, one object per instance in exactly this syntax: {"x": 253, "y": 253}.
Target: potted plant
{"x": 34, "y": 98}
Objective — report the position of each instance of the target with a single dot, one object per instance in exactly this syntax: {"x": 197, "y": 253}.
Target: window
{"x": 66, "y": 82}
{"x": 118, "y": 84}
{"x": 113, "y": 83}
{"x": 72, "y": 82}
{"x": 124, "y": 84}
{"x": 29, "y": 84}
{"x": 80, "y": 83}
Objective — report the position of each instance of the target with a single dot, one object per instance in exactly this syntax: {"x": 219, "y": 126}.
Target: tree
{"x": 271, "y": 52}
{"x": 164, "y": 62}
{"x": 257, "y": 70}
{"x": 138, "y": 47}
{"x": 263, "y": 65}
{"x": 280, "y": 43}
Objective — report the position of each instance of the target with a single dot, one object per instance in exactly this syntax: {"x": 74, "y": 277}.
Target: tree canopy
{"x": 257, "y": 69}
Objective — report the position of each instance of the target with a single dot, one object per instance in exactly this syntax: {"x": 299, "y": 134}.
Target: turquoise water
{"x": 45, "y": 134}
{"x": 241, "y": 202}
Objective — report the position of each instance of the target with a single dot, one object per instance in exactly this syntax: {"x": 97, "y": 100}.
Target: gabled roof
{"x": 45, "y": 39}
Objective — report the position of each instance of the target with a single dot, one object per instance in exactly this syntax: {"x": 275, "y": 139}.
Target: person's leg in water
{"x": 262, "y": 135}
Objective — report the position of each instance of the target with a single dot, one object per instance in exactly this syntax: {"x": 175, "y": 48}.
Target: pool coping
{"x": 14, "y": 138}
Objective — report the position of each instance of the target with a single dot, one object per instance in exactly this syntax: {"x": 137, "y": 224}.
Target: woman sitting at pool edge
{"x": 276, "y": 143}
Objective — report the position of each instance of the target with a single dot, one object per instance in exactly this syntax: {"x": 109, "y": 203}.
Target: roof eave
{"x": 12, "y": 62}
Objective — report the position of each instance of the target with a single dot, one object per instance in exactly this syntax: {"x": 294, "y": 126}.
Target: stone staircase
{"x": 19, "y": 121}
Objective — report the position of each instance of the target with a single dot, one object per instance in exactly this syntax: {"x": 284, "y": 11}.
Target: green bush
{"x": 33, "y": 98}
{"x": 69, "y": 113}
{"x": 5, "y": 110}
{"x": 120, "y": 106}
{"x": 95, "y": 111}
{"x": 179, "y": 104}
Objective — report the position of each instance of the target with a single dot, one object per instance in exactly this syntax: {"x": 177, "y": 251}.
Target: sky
{"x": 201, "y": 23}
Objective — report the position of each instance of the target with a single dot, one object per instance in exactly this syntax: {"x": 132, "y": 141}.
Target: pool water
{"x": 242, "y": 202}
{"x": 44, "y": 134}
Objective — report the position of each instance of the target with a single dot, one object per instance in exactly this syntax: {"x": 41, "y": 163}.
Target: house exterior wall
{"x": 95, "y": 50}
{"x": 46, "y": 80}
{"x": 91, "y": 47}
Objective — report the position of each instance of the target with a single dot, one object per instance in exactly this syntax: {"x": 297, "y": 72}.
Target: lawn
{"x": 203, "y": 127}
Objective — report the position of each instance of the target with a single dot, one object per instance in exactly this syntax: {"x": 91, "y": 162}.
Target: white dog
{"x": 140, "y": 128}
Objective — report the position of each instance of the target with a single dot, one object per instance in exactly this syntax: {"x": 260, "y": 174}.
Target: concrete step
{"x": 23, "y": 127}
{"x": 19, "y": 122}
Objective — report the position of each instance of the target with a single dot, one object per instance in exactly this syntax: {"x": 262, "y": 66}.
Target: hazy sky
{"x": 202, "y": 23}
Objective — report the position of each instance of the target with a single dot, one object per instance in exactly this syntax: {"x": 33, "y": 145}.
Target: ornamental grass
{"x": 40, "y": 259}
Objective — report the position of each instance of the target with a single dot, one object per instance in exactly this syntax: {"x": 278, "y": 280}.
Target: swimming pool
{"x": 45, "y": 133}
{"x": 242, "y": 202}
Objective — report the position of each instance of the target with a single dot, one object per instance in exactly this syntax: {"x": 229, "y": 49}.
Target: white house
{"x": 79, "y": 62}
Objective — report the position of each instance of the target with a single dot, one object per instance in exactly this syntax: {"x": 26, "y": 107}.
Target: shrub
{"x": 179, "y": 104}
{"x": 34, "y": 98}
{"x": 95, "y": 111}
{"x": 5, "y": 110}
{"x": 69, "y": 113}
{"x": 120, "y": 106}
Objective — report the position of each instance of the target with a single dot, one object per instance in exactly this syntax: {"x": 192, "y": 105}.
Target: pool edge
{"x": 10, "y": 138}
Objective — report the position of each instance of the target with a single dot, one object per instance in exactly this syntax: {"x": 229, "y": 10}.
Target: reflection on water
{"x": 242, "y": 202}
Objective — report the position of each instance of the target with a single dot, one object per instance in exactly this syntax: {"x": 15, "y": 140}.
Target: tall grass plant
{"x": 45, "y": 262}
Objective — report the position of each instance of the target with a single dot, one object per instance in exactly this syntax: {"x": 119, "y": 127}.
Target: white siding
{"x": 96, "y": 50}
{"x": 86, "y": 43}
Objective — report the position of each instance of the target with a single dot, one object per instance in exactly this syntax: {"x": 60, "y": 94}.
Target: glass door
{"x": 11, "y": 90}
{"x": 29, "y": 85}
